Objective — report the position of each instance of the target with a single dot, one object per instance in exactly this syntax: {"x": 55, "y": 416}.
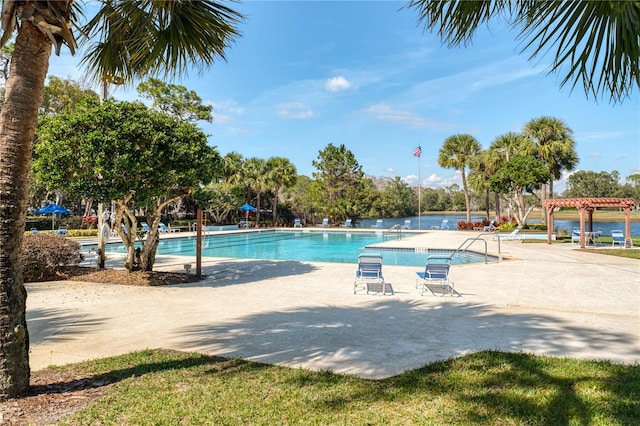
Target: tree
{"x": 596, "y": 40}
{"x": 555, "y": 147}
{"x": 282, "y": 174}
{"x": 62, "y": 95}
{"x": 175, "y": 100}
{"x": 339, "y": 173}
{"x": 457, "y": 153}
{"x": 592, "y": 184}
{"x": 254, "y": 177}
{"x": 127, "y": 153}
{"x": 398, "y": 199}
{"x": 135, "y": 39}
{"x": 522, "y": 173}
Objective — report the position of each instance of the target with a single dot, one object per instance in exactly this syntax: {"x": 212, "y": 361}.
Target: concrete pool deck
{"x": 550, "y": 299}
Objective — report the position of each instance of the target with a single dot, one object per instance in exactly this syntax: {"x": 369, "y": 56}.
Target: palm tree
{"x": 457, "y": 153}
{"x": 596, "y": 41}
{"x": 555, "y": 146}
{"x": 282, "y": 173}
{"x": 134, "y": 39}
{"x": 255, "y": 178}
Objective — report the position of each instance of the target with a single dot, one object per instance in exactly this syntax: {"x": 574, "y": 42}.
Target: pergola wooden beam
{"x": 587, "y": 206}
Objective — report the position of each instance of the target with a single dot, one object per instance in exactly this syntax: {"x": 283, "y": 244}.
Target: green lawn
{"x": 488, "y": 387}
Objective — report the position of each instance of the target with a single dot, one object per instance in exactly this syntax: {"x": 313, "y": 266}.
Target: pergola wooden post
{"x": 587, "y": 206}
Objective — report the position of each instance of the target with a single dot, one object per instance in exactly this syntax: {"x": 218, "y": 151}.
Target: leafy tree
{"x": 398, "y": 199}
{"x": 592, "y": 184}
{"x": 521, "y": 174}
{"x": 435, "y": 199}
{"x": 175, "y": 100}
{"x": 282, "y": 174}
{"x": 457, "y": 152}
{"x": 595, "y": 40}
{"x": 127, "y": 153}
{"x": 132, "y": 40}
{"x": 220, "y": 200}
{"x": 339, "y": 174}
{"x": 62, "y": 95}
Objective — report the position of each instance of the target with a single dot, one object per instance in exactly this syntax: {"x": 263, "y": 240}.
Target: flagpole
{"x": 419, "y": 186}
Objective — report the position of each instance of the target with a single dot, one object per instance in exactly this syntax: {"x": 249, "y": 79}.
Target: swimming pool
{"x": 336, "y": 247}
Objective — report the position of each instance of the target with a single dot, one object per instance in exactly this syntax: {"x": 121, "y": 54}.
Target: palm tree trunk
{"x": 23, "y": 95}
{"x": 467, "y": 202}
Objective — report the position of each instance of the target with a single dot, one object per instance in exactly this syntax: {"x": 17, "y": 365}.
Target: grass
{"x": 605, "y": 243}
{"x": 154, "y": 387}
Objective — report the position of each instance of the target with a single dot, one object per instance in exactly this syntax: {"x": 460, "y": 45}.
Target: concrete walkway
{"x": 549, "y": 299}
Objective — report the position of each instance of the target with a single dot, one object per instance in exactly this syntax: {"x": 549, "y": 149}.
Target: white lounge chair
{"x": 435, "y": 277}
{"x": 166, "y": 229}
{"x": 369, "y": 275}
{"x": 443, "y": 225}
{"x": 145, "y": 226}
{"x": 490, "y": 227}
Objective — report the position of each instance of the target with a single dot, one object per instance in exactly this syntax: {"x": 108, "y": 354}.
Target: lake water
{"x": 427, "y": 221}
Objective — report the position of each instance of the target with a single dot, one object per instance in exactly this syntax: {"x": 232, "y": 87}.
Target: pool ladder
{"x": 468, "y": 243}
{"x": 394, "y": 229}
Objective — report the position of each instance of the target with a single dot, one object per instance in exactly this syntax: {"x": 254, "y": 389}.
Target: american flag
{"x": 417, "y": 152}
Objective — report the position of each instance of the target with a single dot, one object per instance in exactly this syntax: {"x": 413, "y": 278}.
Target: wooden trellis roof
{"x": 585, "y": 203}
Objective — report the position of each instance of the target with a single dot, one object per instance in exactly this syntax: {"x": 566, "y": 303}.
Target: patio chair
{"x": 575, "y": 235}
{"x": 617, "y": 237}
{"x": 62, "y": 231}
{"x": 347, "y": 223}
{"x": 435, "y": 277}
{"x": 243, "y": 224}
{"x": 145, "y": 226}
{"x": 297, "y": 223}
{"x": 166, "y": 229}
{"x": 378, "y": 224}
{"x": 34, "y": 231}
{"x": 490, "y": 227}
{"x": 369, "y": 275}
{"x": 443, "y": 225}
{"x": 325, "y": 222}
{"x": 407, "y": 224}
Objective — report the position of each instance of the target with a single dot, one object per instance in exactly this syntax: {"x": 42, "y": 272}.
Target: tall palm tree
{"x": 131, "y": 40}
{"x": 255, "y": 178}
{"x": 595, "y": 41}
{"x": 457, "y": 153}
{"x": 554, "y": 145}
{"x": 282, "y": 173}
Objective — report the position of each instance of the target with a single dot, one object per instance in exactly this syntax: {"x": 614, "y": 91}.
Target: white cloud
{"x": 295, "y": 110}
{"x": 384, "y": 112}
{"x": 337, "y": 84}
{"x": 225, "y": 111}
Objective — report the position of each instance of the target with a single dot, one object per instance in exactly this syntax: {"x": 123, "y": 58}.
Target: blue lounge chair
{"x": 62, "y": 231}
{"x": 244, "y": 224}
{"x": 617, "y": 237}
{"x": 347, "y": 223}
{"x": 407, "y": 224}
{"x": 297, "y": 223}
{"x": 165, "y": 228}
{"x": 369, "y": 275}
{"x": 325, "y": 222}
{"x": 435, "y": 276}
{"x": 378, "y": 224}
{"x": 145, "y": 226}
{"x": 443, "y": 225}
{"x": 34, "y": 231}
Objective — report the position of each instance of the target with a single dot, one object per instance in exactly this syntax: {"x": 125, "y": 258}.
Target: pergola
{"x": 586, "y": 206}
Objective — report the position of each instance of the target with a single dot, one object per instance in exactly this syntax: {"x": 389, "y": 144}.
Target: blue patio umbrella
{"x": 246, "y": 207}
{"x": 53, "y": 209}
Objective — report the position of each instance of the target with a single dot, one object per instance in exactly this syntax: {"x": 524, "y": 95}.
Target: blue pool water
{"x": 337, "y": 247}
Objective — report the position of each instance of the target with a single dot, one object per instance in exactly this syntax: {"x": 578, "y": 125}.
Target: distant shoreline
{"x": 569, "y": 214}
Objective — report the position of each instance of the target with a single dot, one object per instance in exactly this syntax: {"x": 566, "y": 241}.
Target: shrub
{"x": 43, "y": 256}
{"x": 462, "y": 225}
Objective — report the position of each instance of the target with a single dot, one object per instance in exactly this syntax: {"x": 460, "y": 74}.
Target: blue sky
{"x": 364, "y": 74}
